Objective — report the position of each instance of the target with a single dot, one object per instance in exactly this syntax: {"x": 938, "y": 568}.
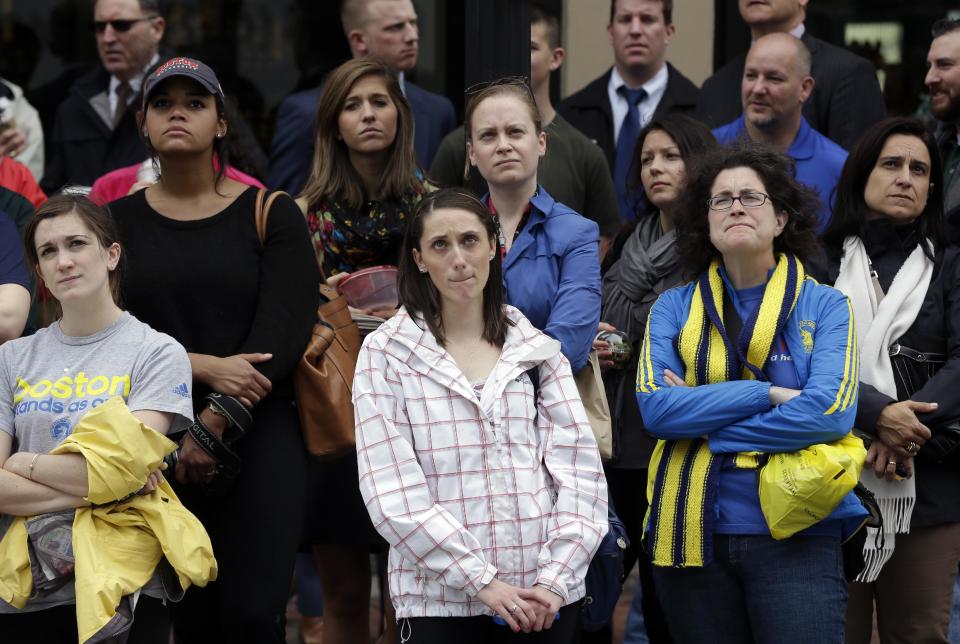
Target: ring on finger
{"x": 513, "y": 609}
{"x": 912, "y": 447}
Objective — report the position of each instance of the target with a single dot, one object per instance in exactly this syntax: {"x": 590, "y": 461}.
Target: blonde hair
{"x": 354, "y": 14}
{"x": 332, "y": 173}
{"x": 516, "y": 87}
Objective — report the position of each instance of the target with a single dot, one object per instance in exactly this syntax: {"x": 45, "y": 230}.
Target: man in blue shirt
{"x": 776, "y": 81}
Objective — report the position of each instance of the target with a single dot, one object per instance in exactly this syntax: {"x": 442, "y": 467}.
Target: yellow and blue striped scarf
{"x": 682, "y": 484}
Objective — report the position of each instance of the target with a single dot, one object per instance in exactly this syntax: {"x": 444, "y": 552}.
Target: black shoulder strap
{"x": 534, "y": 374}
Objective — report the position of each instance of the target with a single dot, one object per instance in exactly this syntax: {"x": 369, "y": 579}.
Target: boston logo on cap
{"x": 178, "y": 63}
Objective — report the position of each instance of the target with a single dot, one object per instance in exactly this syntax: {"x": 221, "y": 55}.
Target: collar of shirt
{"x": 802, "y": 146}
{"x": 524, "y": 217}
{"x": 134, "y": 82}
{"x": 796, "y": 32}
{"x": 656, "y": 87}
{"x": 402, "y": 79}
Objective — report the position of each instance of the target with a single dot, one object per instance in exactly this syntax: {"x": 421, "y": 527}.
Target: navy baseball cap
{"x": 186, "y": 67}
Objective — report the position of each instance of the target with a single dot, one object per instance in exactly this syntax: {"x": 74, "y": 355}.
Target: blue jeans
{"x": 636, "y": 631}
{"x": 309, "y": 592}
{"x": 955, "y": 614}
{"x": 758, "y": 590}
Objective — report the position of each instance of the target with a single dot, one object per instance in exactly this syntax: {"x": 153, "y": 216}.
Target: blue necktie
{"x": 626, "y": 142}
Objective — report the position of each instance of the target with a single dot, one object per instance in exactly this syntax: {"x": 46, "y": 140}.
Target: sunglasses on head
{"x": 517, "y": 81}
{"x": 120, "y": 26}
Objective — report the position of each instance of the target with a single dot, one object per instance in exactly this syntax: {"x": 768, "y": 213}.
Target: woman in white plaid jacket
{"x": 493, "y": 503}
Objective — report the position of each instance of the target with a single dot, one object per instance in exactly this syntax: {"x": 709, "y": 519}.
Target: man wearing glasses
{"x": 96, "y": 129}
{"x": 776, "y": 82}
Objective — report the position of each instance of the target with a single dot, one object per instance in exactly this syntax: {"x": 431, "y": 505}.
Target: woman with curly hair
{"x": 750, "y": 358}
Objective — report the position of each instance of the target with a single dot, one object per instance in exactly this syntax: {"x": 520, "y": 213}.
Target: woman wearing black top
{"x": 243, "y": 310}
{"x": 886, "y": 250}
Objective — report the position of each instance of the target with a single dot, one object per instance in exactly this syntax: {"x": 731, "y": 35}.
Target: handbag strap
{"x": 897, "y": 349}
{"x": 262, "y": 211}
{"x": 875, "y": 279}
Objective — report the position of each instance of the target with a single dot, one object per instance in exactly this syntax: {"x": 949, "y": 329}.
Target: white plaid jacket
{"x": 466, "y": 490}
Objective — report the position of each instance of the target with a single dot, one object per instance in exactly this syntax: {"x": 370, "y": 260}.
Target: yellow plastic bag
{"x": 799, "y": 489}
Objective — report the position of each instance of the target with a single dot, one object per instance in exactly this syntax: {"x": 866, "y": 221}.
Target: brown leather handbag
{"x": 323, "y": 379}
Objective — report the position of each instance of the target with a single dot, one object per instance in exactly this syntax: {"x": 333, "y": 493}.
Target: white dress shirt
{"x": 134, "y": 82}
{"x": 656, "y": 87}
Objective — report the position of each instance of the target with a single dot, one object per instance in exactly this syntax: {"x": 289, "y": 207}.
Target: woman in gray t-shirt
{"x": 49, "y": 380}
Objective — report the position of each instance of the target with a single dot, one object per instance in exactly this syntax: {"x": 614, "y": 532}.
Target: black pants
{"x": 255, "y": 529}
{"x": 58, "y": 625}
{"x": 483, "y": 630}
{"x": 628, "y": 489}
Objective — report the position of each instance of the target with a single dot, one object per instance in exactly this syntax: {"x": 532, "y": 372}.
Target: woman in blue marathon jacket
{"x": 551, "y": 261}
{"x": 717, "y": 389}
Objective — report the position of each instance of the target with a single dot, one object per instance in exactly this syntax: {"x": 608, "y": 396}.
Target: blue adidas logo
{"x": 182, "y": 390}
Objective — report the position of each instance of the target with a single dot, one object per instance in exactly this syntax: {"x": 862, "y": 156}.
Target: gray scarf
{"x": 648, "y": 257}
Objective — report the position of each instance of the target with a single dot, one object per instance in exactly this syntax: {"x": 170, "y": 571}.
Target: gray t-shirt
{"x": 48, "y": 381}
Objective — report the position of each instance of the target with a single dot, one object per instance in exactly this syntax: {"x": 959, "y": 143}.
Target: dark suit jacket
{"x": 84, "y": 147}
{"x": 589, "y": 109}
{"x": 846, "y": 98}
{"x": 291, "y": 152}
{"x": 947, "y": 141}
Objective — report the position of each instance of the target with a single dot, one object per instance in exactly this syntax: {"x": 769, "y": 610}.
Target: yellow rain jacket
{"x": 116, "y": 547}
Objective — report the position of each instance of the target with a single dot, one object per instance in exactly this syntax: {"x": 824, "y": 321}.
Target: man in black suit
{"x": 95, "y": 129}
{"x": 943, "y": 81}
{"x": 640, "y": 86}
{"x": 846, "y": 96}
{"x": 384, "y": 30}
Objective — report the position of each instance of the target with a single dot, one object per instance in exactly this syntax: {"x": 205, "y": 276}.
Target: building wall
{"x": 588, "y": 49}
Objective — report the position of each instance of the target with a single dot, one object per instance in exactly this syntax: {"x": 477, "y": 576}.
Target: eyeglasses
{"x": 747, "y": 200}
{"x": 119, "y": 26}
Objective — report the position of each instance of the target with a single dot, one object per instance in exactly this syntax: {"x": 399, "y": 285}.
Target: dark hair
{"x": 667, "y": 11}
{"x": 693, "y": 138}
{"x": 96, "y": 218}
{"x": 150, "y": 6}
{"x": 777, "y": 173}
{"x": 417, "y": 291}
{"x": 850, "y": 210}
{"x": 154, "y": 7}
{"x": 331, "y": 171}
{"x": 221, "y": 145}
{"x": 539, "y": 14}
{"x": 943, "y": 27}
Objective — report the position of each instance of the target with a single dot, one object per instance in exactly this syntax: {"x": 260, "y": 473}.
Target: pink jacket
{"x": 466, "y": 489}
{"x": 117, "y": 183}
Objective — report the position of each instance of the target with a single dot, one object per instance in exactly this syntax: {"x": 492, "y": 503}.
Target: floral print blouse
{"x": 347, "y": 239}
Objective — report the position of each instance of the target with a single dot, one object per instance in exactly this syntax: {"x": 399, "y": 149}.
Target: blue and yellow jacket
{"x": 736, "y": 416}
